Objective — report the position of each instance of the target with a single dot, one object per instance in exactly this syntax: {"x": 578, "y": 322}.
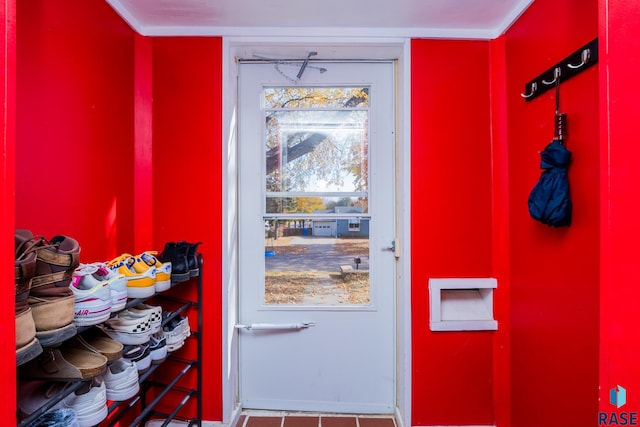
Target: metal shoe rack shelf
{"x": 147, "y": 401}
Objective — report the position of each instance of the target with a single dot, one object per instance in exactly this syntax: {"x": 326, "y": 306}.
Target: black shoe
{"x": 192, "y": 258}
{"x": 176, "y": 254}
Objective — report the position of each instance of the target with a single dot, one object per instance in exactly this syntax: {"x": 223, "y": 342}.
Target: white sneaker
{"x": 184, "y": 325}
{"x": 179, "y": 323}
{"x": 117, "y": 285}
{"x": 89, "y": 402}
{"x": 92, "y": 297}
{"x": 175, "y": 331}
{"x": 121, "y": 380}
{"x": 128, "y": 328}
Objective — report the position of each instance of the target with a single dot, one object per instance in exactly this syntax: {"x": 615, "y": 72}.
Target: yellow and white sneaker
{"x": 141, "y": 279}
{"x": 163, "y": 269}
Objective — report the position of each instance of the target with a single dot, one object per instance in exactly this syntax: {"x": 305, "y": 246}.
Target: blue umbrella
{"x": 550, "y": 201}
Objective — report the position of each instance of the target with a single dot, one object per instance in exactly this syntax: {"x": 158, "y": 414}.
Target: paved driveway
{"x": 318, "y": 254}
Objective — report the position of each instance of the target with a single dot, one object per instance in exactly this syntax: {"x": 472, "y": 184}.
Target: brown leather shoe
{"x": 50, "y": 299}
{"x": 27, "y": 345}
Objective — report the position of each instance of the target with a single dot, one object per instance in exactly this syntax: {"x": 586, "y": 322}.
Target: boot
{"x": 50, "y": 299}
{"x": 192, "y": 258}
{"x": 176, "y": 254}
{"x": 27, "y": 345}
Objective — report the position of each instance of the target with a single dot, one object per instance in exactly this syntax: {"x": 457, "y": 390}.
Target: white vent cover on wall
{"x": 462, "y": 304}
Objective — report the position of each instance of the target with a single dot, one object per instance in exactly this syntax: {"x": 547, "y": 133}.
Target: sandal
{"x": 97, "y": 341}
{"x": 65, "y": 364}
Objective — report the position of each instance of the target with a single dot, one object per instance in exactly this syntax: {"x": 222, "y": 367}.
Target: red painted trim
{"x": 143, "y": 145}
{"x": 619, "y": 39}
{"x": 187, "y": 157}
{"x": 500, "y": 259}
{"x": 607, "y": 299}
{"x": 7, "y": 213}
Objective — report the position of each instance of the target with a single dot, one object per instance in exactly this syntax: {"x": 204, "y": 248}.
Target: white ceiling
{"x": 476, "y": 19}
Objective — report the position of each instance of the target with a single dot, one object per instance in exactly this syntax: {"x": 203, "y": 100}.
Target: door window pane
{"x": 316, "y": 143}
{"x": 316, "y": 97}
{"x": 310, "y": 262}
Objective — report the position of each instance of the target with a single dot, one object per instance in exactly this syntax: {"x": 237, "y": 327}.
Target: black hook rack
{"x": 570, "y": 66}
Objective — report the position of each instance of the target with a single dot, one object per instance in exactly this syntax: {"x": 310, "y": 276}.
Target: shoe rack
{"x": 151, "y": 400}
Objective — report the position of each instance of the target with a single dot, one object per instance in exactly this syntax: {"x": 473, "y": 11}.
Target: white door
{"x": 316, "y": 314}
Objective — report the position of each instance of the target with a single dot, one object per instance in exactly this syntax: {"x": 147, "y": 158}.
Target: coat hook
{"x": 586, "y": 55}
{"x": 534, "y": 89}
{"x": 572, "y": 65}
{"x": 556, "y": 75}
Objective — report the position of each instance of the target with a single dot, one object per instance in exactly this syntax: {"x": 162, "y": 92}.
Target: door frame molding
{"x": 398, "y": 49}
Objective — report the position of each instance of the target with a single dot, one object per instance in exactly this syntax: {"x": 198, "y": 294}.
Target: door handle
{"x": 393, "y": 248}
{"x": 274, "y": 326}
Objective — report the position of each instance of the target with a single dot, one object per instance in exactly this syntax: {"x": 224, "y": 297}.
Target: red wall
{"x": 187, "y": 176}
{"x": 81, "y": 170}
{"x": 620, "y": 179}
{"x": 7, "y": 180}
{"x": 451, "y": 224}
{"x": 554, "y": 282}
{"x": 74, "y": 152}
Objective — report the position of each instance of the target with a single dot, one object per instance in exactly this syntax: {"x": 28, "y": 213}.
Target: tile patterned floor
{"x": 313, "y": 420}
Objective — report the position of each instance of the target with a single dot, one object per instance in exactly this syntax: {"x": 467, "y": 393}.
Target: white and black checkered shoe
{"x": 128, "y": 328}
{"x": 154, "y": 312}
